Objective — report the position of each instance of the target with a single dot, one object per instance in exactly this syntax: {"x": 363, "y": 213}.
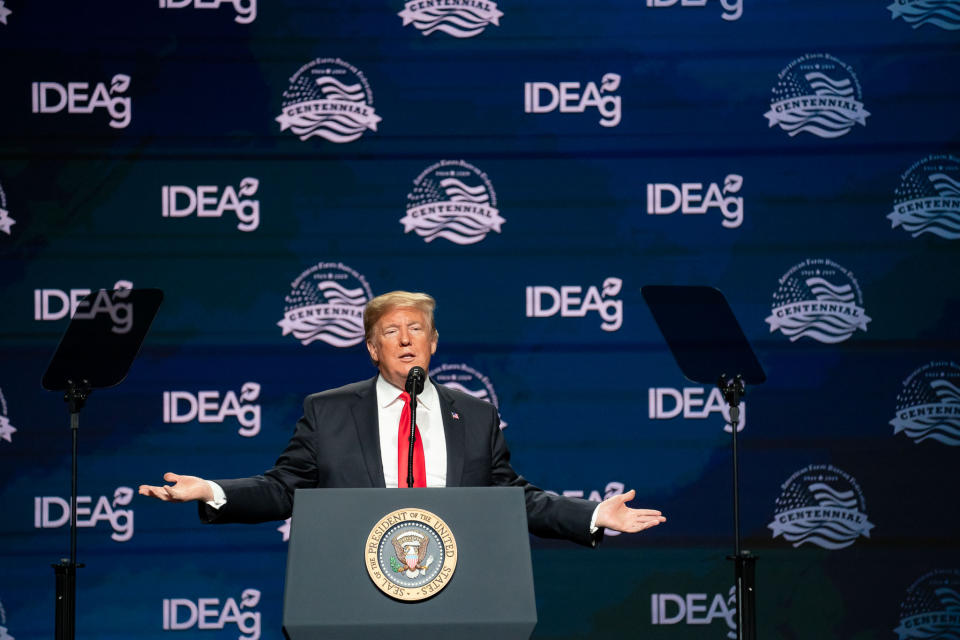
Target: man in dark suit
{"x": 354, "y": 436}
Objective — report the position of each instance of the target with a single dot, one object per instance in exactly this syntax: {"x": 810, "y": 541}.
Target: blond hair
{"x": 379, "y": 306}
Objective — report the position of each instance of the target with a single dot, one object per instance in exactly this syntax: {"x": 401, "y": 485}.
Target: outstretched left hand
{"x": 613, "y": 513}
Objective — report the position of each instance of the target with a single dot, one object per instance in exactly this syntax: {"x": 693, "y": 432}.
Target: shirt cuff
{"x": 220, "y": 498}
{"x": 593, "y": 519}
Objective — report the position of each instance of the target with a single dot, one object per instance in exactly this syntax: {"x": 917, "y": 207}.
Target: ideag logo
{"x": 664, "y": 198}
{"x": 819, "y": 94}
{"x": 823, "y": 506}
{"x": 56, "y": 304}
{"x": 53, "y": 97}
{"x": 6, "y": 222}
{"x": 453, "y": 200}
{"x": 692, "y": 609}
{"x": 820, "y": 300}
{"x": 732, "y": 9}
{"x": 465, "y": 378}
{"x": 931, "y": 608}
{"x": 329, "y": 98}
{"x": 567, "y": 302}
{"x": 458, "y": 18}
{"x": 326, "y": 303}
{"x": 53, "y": 512}
{"x": 246, "y": 9}
{"x": 928, "y": 198}
{"x": 6, "y": 429}
{"x": 928, "y": 405}
{"x": 940, "y": 13}
{"x": 207, "y": 201}
{"x": 544, "y": 97}
{"x": 206, "y": 614}
{"x": 665, "y": 403}
{"x": 206, "y": 407}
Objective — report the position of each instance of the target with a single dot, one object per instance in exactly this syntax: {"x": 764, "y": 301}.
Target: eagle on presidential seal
{"x": 411, "y": 558}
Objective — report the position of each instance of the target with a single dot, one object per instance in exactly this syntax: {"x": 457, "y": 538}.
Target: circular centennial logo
{"x": 6, "y": 429}
{"x": 819, "y": 94}
{"x": 454, "y": 200}
{"x": 6, "y": 222}
{"x": 928, "y": 406}
{"x": 941, "y": 13}
{"x": 823, "y": 506}
{"x": 326, "y": 303}
{"x": 931, "y": 608}
{"x": 928, "y": 198}
{"x": 458, "y": 18}
{"x": 470, "y": 381}
{"x": 329, "y": 98}
{"x": 411, "y": 554}
{"x": 818, "y": 299}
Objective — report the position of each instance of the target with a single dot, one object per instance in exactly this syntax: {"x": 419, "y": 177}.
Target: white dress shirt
{"x": 429, "y": 424}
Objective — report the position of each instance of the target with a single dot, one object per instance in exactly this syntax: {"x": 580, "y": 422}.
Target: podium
{"x": 330, "y": 593}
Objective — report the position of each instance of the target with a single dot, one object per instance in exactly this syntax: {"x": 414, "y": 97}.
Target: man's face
{"x": 401, "y": 340}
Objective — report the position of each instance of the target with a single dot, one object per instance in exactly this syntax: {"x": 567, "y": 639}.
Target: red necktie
{"x": 403, "y": 448}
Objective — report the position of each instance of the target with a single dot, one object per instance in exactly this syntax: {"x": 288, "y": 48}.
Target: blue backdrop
{"x": 531, "y": 166}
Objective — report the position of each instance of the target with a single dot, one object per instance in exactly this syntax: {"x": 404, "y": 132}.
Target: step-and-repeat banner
{"x": 271, "y": 166}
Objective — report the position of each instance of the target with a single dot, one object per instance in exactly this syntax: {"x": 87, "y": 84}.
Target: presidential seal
{"x": 931, "y": 608}
{"x": 817, "y": 94}
{"x": 328, "y": 98}
{"x": 410, "y": 554}
{"x": 928, "y": 198}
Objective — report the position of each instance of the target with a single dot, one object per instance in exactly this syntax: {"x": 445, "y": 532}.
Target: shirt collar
{"x": 387, "y": 394}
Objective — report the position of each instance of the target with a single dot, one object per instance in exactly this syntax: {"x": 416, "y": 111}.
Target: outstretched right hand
{"x": 184, "y": 489}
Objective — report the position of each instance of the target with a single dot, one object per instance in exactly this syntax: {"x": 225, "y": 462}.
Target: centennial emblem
{"x": 940, "y": 13}
{"x": 4, "y": 634}
{"x": 453, "y": 200}
{"x": 819, "y": 94}
{"x": 931, "y": 608}
{"x": 928, "y": 405}
{"x": 6, "y": 429}
{"x": 823, "y": 506}
{"x": 458, "y": 18}
{"x": 329, "y": 98}
{"x": 820, "y": 300}
{"x": 411, "y": 554}
{"x": 326, "y": 303}
{"x": 470, "y": 381}
{"x": 928, "y": 198}
{"x": 6, "y": 222}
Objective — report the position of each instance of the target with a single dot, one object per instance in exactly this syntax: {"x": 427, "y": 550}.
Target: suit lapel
{"x": 366, "y": 418}
{"x": 453, "y": 435}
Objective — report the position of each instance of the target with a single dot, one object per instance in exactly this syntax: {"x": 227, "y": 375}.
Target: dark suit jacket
{"x": 337, "y": 444}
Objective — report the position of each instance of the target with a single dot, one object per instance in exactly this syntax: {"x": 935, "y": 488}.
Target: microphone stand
{"x": 414, "y": 386}
{"x": 744, "y": 562}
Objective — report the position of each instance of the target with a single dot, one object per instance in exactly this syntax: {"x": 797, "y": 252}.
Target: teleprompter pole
{"x": 744, "y": 562}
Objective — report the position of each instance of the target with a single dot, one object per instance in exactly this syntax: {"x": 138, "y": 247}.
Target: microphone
{"x": 413, "y": 386}
{"x": 415, "y": 378}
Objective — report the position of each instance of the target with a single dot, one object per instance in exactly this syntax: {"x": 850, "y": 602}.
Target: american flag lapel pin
{"x": 454, "y": 415}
